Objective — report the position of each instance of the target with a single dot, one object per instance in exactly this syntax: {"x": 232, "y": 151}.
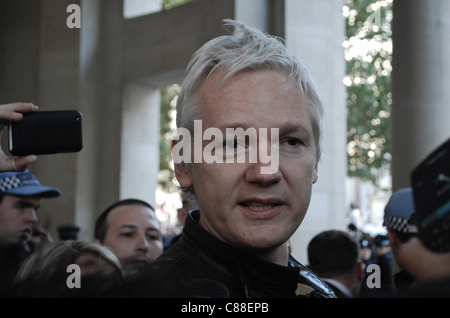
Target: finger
{"x": 21, "y": 163}
{"x": 15, "y": 164}
{"x": 26, "y": 248}
{"x": 422, "y": 263}
{"x": 413, "y": 249}
{"x": 20, "y": 107}
{"x": 13, "y": 112}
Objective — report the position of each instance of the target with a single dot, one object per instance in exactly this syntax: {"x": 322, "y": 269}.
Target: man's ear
{"x": 316, "y": 173}
{"x": 395, "y": 242}
{"x": 182, "y": 172}
{"x": 360, "y": 271}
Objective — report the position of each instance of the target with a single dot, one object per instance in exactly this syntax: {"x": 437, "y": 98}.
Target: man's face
{"x": 134, "y": 236}
{"x": 238, "y": 204}
{"x": 17, "y": 215}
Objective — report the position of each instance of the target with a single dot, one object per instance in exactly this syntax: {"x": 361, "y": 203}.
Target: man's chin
{"x": 261, "y": 243}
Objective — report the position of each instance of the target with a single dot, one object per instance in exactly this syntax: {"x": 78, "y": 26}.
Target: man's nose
{"x": 142, "y": 244}
{"x": 30, "y": 216}
{"x": 254, "y": 174}
{"x": 266, "y": 168}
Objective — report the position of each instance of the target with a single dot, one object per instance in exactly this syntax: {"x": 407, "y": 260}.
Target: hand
{"x": 422, "y": 263}
{"x": 39, "y": 236}
{"x": 12, "y": 112}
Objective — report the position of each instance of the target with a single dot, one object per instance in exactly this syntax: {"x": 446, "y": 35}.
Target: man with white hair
{"x": 236, "y": 243}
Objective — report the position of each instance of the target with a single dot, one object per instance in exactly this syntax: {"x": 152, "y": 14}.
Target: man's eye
{"x": 22, "y": 207}
{"x": 293, "y": 142}
{"x": 234, "y": 145}
{"x": 128, "y": 234}
{"x": 152, "y": 238}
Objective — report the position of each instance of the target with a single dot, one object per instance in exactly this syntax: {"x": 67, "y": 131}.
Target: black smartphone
{"x": 430, "y": 182}
{"x": 46, "y": 132}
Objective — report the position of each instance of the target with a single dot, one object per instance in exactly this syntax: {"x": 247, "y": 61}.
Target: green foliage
{"x": 169, "y": 95}
{"x": 169, "y": 4}
{"x": 166, "y": 175}
{"x": 368, "y": 52}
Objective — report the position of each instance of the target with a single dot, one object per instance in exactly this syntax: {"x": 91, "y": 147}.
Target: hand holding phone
{"x": 46, "y": 132}
{"x": 12, "y": 113}
{"x": 422, "y": 263}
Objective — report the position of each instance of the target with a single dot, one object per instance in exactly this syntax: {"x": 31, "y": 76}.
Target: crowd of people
{"x": 235, "y": 243}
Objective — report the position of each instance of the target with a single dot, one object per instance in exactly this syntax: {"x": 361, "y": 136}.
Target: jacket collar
{"x": 250, "y": 270}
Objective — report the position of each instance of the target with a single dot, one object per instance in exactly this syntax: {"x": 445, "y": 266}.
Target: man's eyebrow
{"x": 132, "y": 227}
{"x": 291, "y": 128}
{"x": 152, "y": 229}
{"x": 27, "y": 204}
{"x": 288, "y": 128}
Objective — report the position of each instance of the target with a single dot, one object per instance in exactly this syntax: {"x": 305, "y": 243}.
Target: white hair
{"x": 246, "y": 48}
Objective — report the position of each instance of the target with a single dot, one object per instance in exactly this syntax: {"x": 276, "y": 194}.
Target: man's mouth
{"x": 25, "y": 232}
{"x": 261, "y": 209}
{"x": 259, "y": 206}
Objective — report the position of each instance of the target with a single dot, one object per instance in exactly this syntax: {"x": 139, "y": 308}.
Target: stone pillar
{"x": 81, "y": 69}
{"x": 314, "y": 34}
{"x": 140, "y": 142}
{"x": 19, "y": 50}
{"x": 420, "y": 113}
{"x": 252, "y": 12}
{"x": 135, "y": 8}
{"x": 58, "y": 89}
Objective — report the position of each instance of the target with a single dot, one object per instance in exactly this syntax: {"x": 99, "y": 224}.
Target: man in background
{"x": 130, "y": 228}
{"x": 182, "y": 214}
{"x": 334, "y": 257}
{"x": 400, "y": 222}
{"x": 20, "y": 198}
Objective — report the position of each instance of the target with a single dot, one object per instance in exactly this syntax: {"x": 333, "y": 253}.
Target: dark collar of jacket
{"x": 199, "y": 255}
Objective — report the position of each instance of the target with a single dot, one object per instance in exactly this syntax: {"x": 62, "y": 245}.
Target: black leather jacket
{"x": 212, "y": 268}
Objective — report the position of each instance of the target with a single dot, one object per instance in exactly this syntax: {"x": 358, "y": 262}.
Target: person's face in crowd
{"x": 134, "y": 236}
{"x": 17, "y": 215}
{"x": 238, "y": 204}
{"x": 366, "y": 253}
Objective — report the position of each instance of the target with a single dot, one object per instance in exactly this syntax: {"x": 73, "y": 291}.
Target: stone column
{"x": 420, "y": 113}
{"x": 81, "y": 69}
{"x": 136, "y": 8}
{"x": 58, "y": 89}
{"x": 140, "y": 142}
